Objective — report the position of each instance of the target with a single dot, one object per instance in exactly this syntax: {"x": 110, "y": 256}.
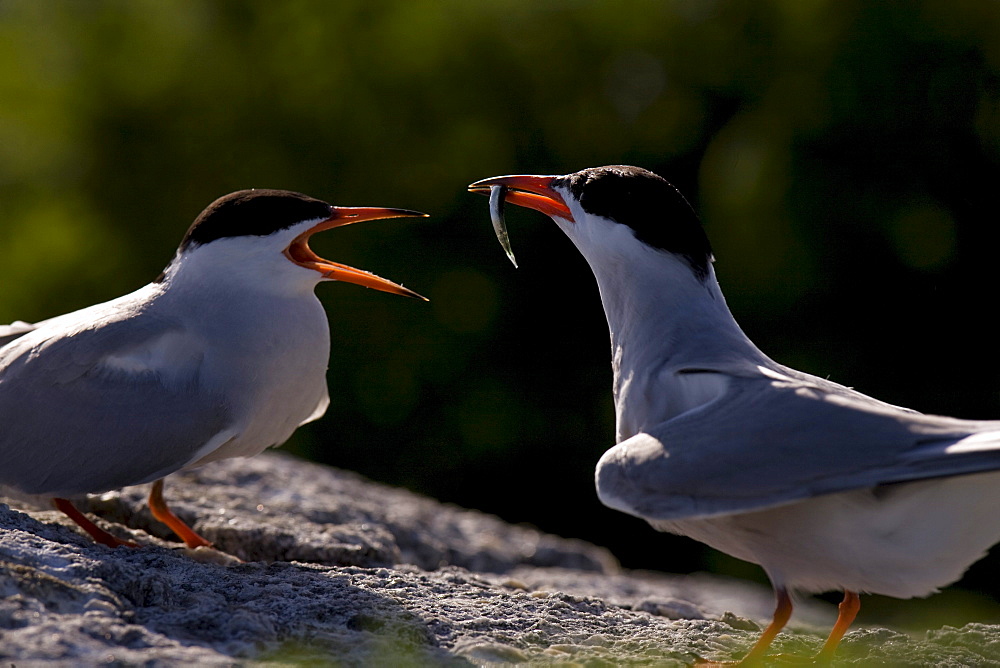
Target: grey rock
{"x": 278, "y": 508}
{"x": 341, "y": 570}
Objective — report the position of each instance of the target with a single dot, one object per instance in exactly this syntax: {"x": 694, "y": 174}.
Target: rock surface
{"x": 340, "y": 570}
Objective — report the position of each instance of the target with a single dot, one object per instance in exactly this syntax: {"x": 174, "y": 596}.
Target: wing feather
{"x": 14, "y": 330}
{"x": 125, "y": 390}
{"x": 771, "y": 441}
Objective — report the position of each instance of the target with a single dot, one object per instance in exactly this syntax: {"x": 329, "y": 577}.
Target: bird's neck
{"x": 218, "y": 293}
{"x": 239, "y": 270}
{"x": 666, "y": 323}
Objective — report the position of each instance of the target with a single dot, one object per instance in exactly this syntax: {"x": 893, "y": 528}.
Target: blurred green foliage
{"x": 844, "y": 155}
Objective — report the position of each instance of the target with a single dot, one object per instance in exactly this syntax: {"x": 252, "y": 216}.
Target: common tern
{"x": 822, "y": 486}
{"x": 223, "y": 355}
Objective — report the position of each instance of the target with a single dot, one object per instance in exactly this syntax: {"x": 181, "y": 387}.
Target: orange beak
{"x": 533, "y": 192}
{"x": 299, "y": 252}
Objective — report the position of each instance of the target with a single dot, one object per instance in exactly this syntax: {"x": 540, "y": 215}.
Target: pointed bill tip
{"x": 409, "y": 213}
{"x": 403, "y": 292}
{"x": 356, "y": 214}
{"x": 335, "y": 271}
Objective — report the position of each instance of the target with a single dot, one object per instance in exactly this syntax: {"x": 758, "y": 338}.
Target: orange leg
{"x": 848, "y": 610}
{"x": 161, "y": 512}
{"x": 97, "y": 533}
{"x": 782, "y": 613}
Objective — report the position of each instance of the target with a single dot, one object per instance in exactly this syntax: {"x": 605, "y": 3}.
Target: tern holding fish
{"x": 824, "y": 487}
{"x": 223, "y": 355}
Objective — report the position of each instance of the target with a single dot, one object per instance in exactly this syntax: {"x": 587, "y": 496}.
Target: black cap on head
{"x": 648, "y": 204}
{"x": 253, "y": 213}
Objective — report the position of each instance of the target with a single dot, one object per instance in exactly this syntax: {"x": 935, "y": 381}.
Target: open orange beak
{"x": 299, "y": 252}
{"x": 531, "y": 191}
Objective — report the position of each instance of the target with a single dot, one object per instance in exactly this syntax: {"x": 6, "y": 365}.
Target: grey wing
{"x": 76, "y": 422}
{"x": 766, "y": 443}
{"x": 14, "y": 330}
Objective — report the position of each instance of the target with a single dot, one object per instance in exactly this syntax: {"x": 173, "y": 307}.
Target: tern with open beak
{"x": 822, "y": 486}
{"x": 223, "y": 355}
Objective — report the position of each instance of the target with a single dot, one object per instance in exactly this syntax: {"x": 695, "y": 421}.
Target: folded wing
{"x": 73, "y": 399}
{"x": 769, "y": 441}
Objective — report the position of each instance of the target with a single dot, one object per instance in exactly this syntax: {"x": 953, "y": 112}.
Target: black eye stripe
{"x": 649, "y": 205}
{"x": 253, "y": 213}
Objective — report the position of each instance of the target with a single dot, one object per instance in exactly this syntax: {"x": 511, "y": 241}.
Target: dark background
{"x": 843, "y": 154}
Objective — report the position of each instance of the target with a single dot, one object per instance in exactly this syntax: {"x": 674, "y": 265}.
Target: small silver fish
{"x": 497, "y": 196}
